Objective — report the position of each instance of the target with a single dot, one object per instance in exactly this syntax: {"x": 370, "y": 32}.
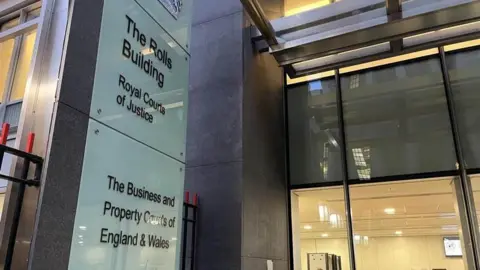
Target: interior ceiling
{"x": 292, "y": 7}
{"x": 422, "y": 207}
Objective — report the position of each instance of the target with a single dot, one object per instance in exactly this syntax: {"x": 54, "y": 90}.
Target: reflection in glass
{"x": 404, "y": 225}
{"x": 464, "y": 70}
{"x": 396, "y": 120}
{"x": 319, "y": 226}
{"x": 313, "y": 133}
{"x": 23, "y": 66}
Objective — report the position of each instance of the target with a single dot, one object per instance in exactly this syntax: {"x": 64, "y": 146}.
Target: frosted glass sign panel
{"x": 129, "y": 206}
{"x": 141, "y": 77}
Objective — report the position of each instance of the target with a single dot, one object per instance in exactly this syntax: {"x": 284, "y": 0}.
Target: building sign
{"x": 129, "y": 205}
{"x": 131, "y": 190}
{"x": 141, "y": 78}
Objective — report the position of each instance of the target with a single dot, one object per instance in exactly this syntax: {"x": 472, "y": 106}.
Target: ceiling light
{"x": 356, "y": 237}
{"x": 334, "y": 220}
{"x": 365, "y": 238}
{"x": 389, "y": 211}
{"x": 307, "y": 227}
{"x": 324, "y": 234}
{"x": 398, "y": 232}
{"x": 323, "y": 212}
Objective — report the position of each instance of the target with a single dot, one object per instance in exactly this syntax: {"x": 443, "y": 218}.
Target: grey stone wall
{"x": 235, "y": 142}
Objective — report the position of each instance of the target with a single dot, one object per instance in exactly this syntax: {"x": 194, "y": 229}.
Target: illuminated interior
{"x": 398, "y": 225}
{"x": 293, "y": 7}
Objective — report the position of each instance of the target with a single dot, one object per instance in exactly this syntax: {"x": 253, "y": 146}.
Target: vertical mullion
{"x": 466, "y": 198}
{"x": 344, "y": 164}
{"x": 287, "y": 173}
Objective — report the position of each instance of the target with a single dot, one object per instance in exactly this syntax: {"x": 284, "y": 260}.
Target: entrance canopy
{"x": 332, "y": 34}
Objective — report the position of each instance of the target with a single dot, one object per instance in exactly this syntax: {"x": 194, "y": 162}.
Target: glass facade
{"x": 396, "y": 120}
{"x": 314, "y": 148}
{"x": 16, "y": 54}
{"x": 23, "y": 66}
{"x": 15, "y": 58}
{"x": 411, "y": 180}
{"x": 464, "y": 70}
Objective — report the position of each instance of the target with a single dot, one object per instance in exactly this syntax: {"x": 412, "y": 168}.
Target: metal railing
{"x": 189, "y": 232}
{"x": 21, "y": 181}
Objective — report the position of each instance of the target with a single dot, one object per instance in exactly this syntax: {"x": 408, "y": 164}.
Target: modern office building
{"x": 321, "y": 134}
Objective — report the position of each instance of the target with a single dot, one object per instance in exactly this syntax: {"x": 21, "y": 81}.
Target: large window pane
{"x": 313, "y": 133}
{"x": 23, "y": 66}
{"x": 396, "y": 120}
{"x": 6, "y": 49}
{"x": 464, "y": 71}
{"x": 407, "y": 225}
{"x": 319, "y": 228}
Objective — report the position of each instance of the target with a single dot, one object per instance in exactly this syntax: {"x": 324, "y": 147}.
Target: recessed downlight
{"x": 324, "y": 234}
{"x": 398, "y": 232}
{"x": 307, "y": 227}
{"x": 389, "y": 211}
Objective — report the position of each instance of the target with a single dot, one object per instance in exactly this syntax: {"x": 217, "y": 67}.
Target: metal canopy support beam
{"x": 384, "y": 32}
{"x": 253, "y": 8}
{"x": 360, "y": 60}
{"x": 394, "y": 9}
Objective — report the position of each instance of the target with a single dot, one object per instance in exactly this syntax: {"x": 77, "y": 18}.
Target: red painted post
{"x": 30, "y": 141}
{"x": 187, "y": 197}
{"x": 5, "y": 130}
{"x": 195, "y": 199}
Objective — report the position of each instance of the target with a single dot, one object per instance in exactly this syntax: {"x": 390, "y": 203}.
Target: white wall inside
{"x": 387, "y": 253}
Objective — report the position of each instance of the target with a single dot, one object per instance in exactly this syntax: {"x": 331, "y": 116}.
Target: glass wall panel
{"x": 396, "y": 120}
{"x": 23, "y": 66}
{"x": 407, "y": 225}
{"x": 319, "y": 228}
{"x": 6, "y": 50}
{"x": 464, "y": 71}
{"x": 313, "y": 133}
